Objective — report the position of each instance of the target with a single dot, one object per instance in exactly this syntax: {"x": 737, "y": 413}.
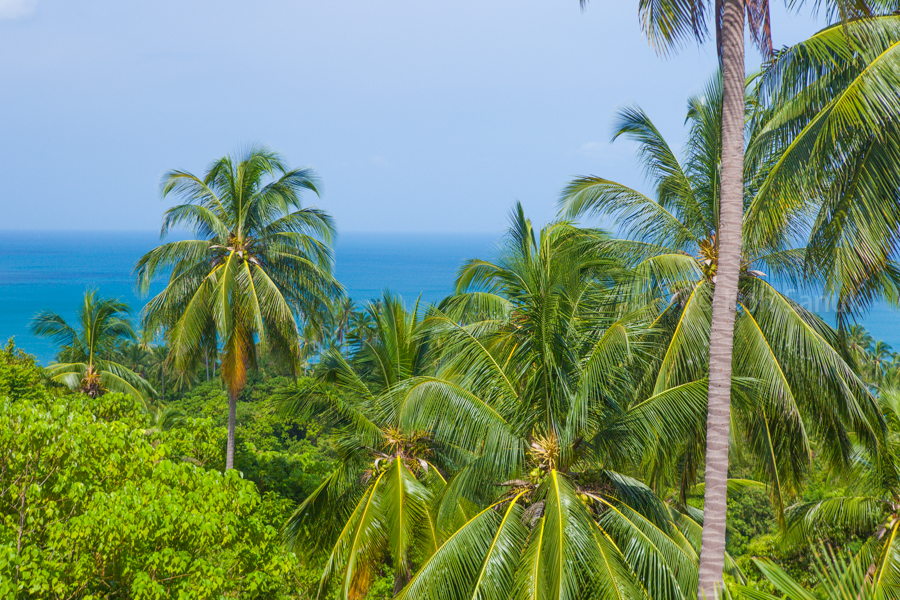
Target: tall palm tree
{"x": 668, "y": 24}
{"x": 534, "y": 352}
{"x": 677, "y": 243}
{"x": 378, "y": 503}
{"x": 86, "y": 348}
{"x": 259, "y": 262}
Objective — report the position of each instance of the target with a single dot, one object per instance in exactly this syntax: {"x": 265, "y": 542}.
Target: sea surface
{"x": 50, "y": 270}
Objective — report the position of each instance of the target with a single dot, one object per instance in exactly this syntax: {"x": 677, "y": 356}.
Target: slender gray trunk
{"x": 206, "y": 353}
{"x": 232, "y": 419}
{"x": 712, "y": 550}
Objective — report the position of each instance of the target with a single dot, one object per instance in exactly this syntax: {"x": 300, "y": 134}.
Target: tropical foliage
{"x": 541, "y": 432}
{"x": 868, "y": 508}
{"x": 379, "y": 503}
{"x": 832, "y": 131}
{"x": 95, "y": 504}
{"x": 838, "y": 579}
{"x": 534, "y": 354}
{"x": 803, "y": 388}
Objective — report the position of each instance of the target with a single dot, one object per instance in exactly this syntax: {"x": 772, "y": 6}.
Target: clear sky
{"x": 420, "y": 115}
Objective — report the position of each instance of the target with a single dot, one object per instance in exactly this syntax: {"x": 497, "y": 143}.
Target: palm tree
{"x": 85, "y": 348}
{"x": 835, "y": 133}
{"x": 361, "y": 327}
{"x": 881, "y": 359}
{"x": 668, "y": 24}
{"x": 859, "y": 342}
{"x": 339, "y": 323}
{"x": 805, "y": 385}
{"x": 839, "y": 578}
{"x": 259, "y": 261}
{"x": 164, "y": 419}
{"x": 159, "y": 367}
{"x": 134, "y": 355}
{"x": 378, "y": 503}
{"x": 534, "y": 354}
{"x": 871, "y": 511}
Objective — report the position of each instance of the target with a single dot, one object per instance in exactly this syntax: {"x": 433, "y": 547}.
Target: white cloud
{"x": 17, "y": 9}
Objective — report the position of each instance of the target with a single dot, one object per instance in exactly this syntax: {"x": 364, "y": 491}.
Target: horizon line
{"x": 339, "y": 232}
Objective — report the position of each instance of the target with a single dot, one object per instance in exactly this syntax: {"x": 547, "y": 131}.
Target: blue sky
{"x": 419, "y": 115}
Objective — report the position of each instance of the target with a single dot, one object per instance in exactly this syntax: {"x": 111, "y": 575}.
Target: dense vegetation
{"x": 101, "y": 498}
{"x": 558, "y": 427}
{"x": 107, "y": 497}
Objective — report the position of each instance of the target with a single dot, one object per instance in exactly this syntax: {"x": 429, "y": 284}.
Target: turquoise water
{"x": 50, "y": 270}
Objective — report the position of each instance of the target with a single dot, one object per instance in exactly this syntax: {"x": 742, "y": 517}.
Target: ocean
{"x": 50, "y": 270}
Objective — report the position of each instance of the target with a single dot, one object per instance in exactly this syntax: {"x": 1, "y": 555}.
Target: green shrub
{"x": 94, "y": 504}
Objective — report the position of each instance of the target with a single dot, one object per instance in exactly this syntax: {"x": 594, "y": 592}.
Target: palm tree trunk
{"x": 401, "y": 578}
{"x": 232, "y": 418}
{"x": 712, "y": 548}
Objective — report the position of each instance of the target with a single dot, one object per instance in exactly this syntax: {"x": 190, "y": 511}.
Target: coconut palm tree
{"x": 340, "y": 322}
{"x": 159, "y": 367}
{"x": 667, "y": 24}
{"x": 134, "y": 355}
{"x": 881, "y": 357}
{"x": 377, "y": 506}
{"x": 839, "y": 578}
{"x": 258, "y": 263}
{"x": 871, "y": 511}
{"x": 859, "y": 342}
{"x": 803, "y": 386}
{"x": 361, "y": 327}
{"x": 534, "y": 354}
{"x": 86, "y": 347}
{"x": 836, "y": 134}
